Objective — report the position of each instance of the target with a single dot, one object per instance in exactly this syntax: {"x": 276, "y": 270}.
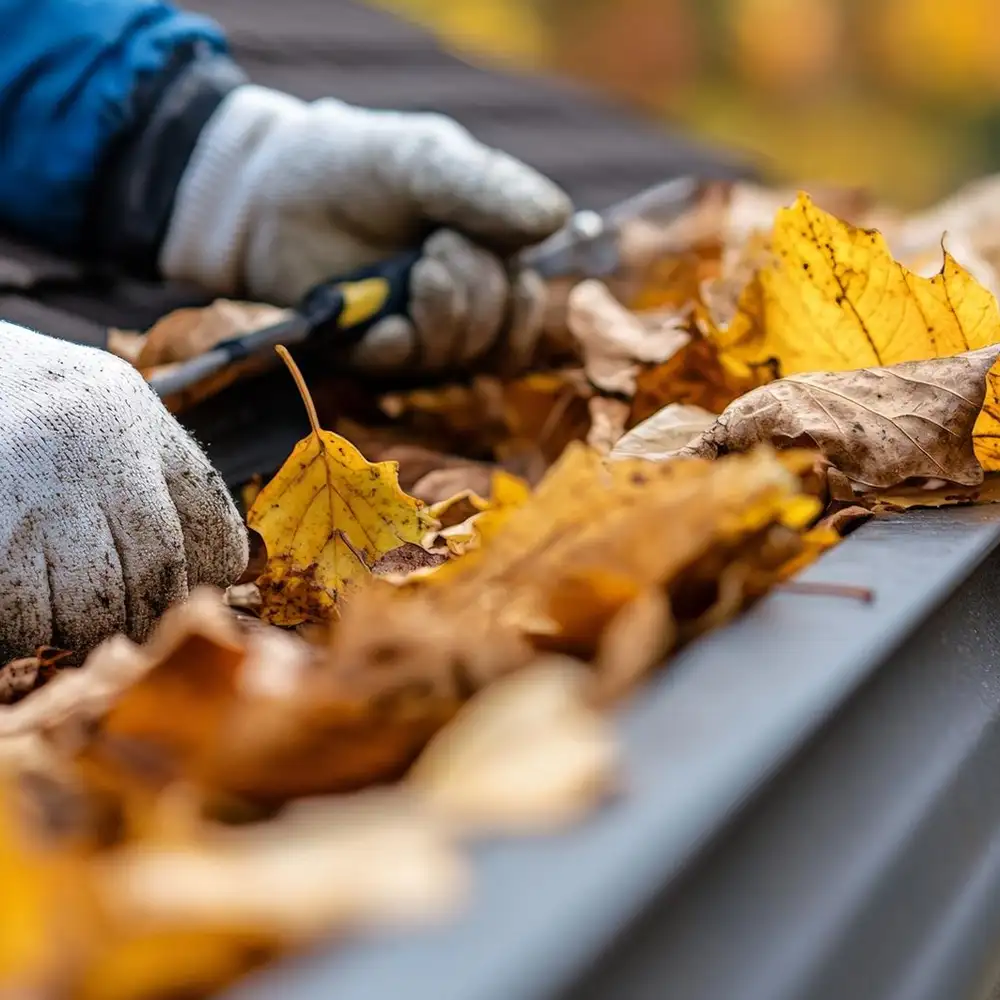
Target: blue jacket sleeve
{"x": 69, "y": 70}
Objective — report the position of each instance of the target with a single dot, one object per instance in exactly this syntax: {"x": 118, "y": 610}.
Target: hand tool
{"x": 342, "y": 310}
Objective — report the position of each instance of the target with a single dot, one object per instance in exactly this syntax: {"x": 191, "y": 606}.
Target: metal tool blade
{"x": 588, "y": 245}
{"x": 182, "y": 376}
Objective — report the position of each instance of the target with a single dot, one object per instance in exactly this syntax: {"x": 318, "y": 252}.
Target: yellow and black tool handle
{"x": 338, "y": 312}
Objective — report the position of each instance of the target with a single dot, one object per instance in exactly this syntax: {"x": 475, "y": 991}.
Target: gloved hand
{"x": 110, "y": 511}
{"x": 280, "y": 195}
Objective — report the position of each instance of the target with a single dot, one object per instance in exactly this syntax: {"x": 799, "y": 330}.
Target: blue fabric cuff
{"x": 72, "y": 76}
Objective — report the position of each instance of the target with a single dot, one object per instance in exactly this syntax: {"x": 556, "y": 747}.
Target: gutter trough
{"x": 812, "y": 810}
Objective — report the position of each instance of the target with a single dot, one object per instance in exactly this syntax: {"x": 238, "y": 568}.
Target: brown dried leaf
{"x": 18, "y": 677}
{"x": 454, "y": 414}
{"x": 523, "y": 423}
{"x": 695, "y": 375}
{"x": 78, "y": 696}
{"x": 392, "y": 645}
{"x": 614, "y": 342}
{"x": 543, "y": 413}
{"x": 443, "y": 484}
{"x": 592, "y": 537}
{"x": 399, "y": 563}
{"x": 608, "y": 418}
{"x": 195, "y": 658}
{"x": 186, "y": 333}
{"x": 908, "y": 496}
{"x": 528, "y": 753}
{"x": 879, "y": 426}
{"x": 635, "y": 641}
{"x": 264, "y": 716}
{"x": 845, "y": 520}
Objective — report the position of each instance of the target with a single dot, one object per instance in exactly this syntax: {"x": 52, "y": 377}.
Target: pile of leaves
{"x": 448, "y": 599}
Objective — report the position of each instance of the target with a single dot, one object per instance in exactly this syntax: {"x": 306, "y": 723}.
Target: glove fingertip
{"x": 515, "y": 206}
{"x": 488, "y": 194}
{"x": 389, "y": 345}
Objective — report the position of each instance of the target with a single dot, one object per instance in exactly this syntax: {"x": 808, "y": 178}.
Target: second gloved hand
{"x": 110, "y": 511}
{"x": 280, "y": 195}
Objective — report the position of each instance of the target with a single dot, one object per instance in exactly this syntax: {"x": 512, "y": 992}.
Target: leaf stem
{"x": 818, "y": 588}
{"x": 300, "y": 384}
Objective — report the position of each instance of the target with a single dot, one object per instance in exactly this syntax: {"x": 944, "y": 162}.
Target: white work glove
{"x": 280, "y": 195}
{"x": 110, "y": 512}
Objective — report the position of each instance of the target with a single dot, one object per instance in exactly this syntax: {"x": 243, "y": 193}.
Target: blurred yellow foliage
{"x": 800, "y": 46}
{"x": 894, "y": 94}
{"x": 510, "y": 30}
{"x": 948, "y": 51}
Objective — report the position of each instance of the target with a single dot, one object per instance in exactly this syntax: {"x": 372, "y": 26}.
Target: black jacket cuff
{"x": 133, "y": 196}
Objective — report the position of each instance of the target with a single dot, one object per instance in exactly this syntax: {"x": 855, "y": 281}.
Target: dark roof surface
{"x": 599, "y": 152}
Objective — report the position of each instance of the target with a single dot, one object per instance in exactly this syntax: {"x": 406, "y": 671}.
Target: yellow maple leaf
{"x": 325, "y": 518}
{"x": 833, "y": 299}
{"x": 507, "y": 493}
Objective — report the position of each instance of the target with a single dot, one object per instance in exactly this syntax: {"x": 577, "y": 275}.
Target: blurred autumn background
{"x": 902, "y": 96}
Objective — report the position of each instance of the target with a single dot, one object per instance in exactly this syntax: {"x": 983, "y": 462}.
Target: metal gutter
{"x": 748, "y": 857}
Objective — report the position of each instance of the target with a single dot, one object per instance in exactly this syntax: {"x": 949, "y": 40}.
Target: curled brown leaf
{"x": 878, "y": 426}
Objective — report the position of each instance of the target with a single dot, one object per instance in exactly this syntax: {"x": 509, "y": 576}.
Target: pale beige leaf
{"x": 527, "y": 753}
{"x": 969, "y": 222}
{"x": 657, "y": 437}
{"x": 326, "y": 866}
{"x": 440, "y": 485}
{"x": 608, "y": 418}
{"x": 126, "y": 344}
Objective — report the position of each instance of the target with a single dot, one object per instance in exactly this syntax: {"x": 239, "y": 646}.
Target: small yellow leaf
{"x": 815, "y": 542}
{"x": 325, "y": 518}
{"x": 833, "y": 299}
{"x": 484, "y": 518}
{"x": 507, "y": 493}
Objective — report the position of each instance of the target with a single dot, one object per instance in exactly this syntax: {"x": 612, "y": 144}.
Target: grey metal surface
{"x": 870, "y": 869}
{"x": 701, "y": 741}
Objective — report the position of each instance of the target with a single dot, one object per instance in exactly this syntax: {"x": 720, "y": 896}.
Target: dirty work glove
{"x": 279, "y": 195}
{"x": 110, "y": 512}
